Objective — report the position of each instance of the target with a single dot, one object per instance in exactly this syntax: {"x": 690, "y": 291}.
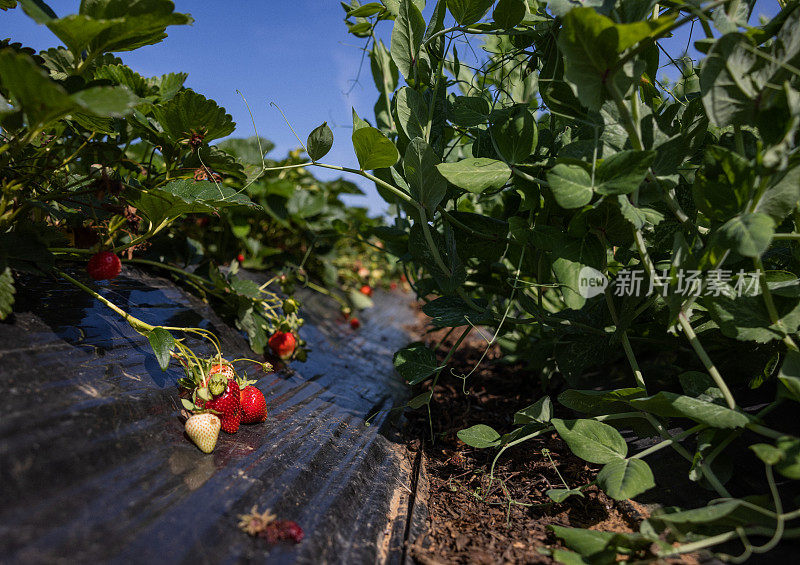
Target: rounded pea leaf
{"x": 468, "y": 12}
{"x": 509, "y": 13}
{"x": 591, "y": 440}
{"x": 373, "y": 149}
{"x": 571, "y": 185}
{"x": 480, "y": 436}
{"x": 320, "y": 142}
{"x": 625, "y": 478}
{"x": 476, "y": 174}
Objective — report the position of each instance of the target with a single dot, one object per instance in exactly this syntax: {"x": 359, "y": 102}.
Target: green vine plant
{"x": 590, "y": 215}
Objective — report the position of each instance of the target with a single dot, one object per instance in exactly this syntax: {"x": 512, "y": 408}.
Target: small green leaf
{"x": 749, "y": 234}
{"x": 480, "y": 436}
{"x": 591, "y": 440}
{"x": 188, "y": 404}
{"x": 671, "y": 405}
{"x": 623, "y": 172}
{"x": 769, "y": 454}
{"x": 420, "y": 400}
{"x": 6, "y": 293}
{"x": 476, "y": 174}
{"x": 450, "y": 311}
{"x": 508, "y": 13}
{"x": 571, "y": 185}
{"x": 561, "y": 494}
{"x": 625, "y": 478}
{"x": 428, "y": 186}
{"x": 373, "y": 149}
{"x": 412, "y": 112}
{"x": 415, "y": 363}
{"x": 320, "y": 141}
{"x": 162, "y": 343}
{"x": 540, "y": 411}
{"x": 468, "y": 12}
{"x": 789, "y": 376}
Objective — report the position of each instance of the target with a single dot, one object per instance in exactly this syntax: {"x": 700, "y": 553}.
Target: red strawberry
{"x": 393, "y": 285}
{"x": 254, "y": 405}
{"x": 229, "y": 407}
{"x": 104, "y": 265}
{"x": 355, "y": 323}
{"x": 240, "y": 258}
{"x": 282, "y": 344}
{"x": 291, "y": 530}
{"x": 366, "y": 290}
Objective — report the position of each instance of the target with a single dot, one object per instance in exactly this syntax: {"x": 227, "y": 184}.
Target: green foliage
{"x": 567, "y": 157}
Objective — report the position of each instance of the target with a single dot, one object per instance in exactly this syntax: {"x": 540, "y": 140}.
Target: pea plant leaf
{"x": 571, "y": 185}
{"x": 476, "y": 174}
{"x": 407, "y": 34}
{"x": 427, "y": 185}
{"x": 672, "y": 405}
{"x": 625, "y": 478}
{"x": 480, "y": 436}
{"x": 468, "y": 12}
{"x": 591, "y": 440}
{"x": 415, "y": 363}
{"x": 412, "y": 112}
{"x": 373, "y": 149}
{"x": 320, "y": 141}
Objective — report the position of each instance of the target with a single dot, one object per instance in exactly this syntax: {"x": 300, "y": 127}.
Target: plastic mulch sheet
{"x": 95, "y": 466}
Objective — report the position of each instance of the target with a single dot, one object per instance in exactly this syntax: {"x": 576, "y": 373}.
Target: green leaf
{"x": 769, "y": 454}
{"x": 568, "y": 259}
{"x": 591, "y": 440}
{"x": 585, "y": 542}
{"x": 320, "y": 141}
{"x": 516, "y": 136}
{"x": 106, "y": 101}
{"x": 469, "y": 111}
{"x": 705, "y": 514}
{"x": 407, "y": 34}
{"x": 591, "y": 44}
{"x": 748, "y": 234}
{"x": 189, "y": 112}
{"x": 468, "y": 12}
{"x": 38, "y": 10}
{"x": 420, "y": 400}
{"x": 623, "y": 172}
{"x": 782, "y": 196}
{"x": 571, "y": 185}
{"x": 162, "y": 343}
{"x": 789, "y": 465}
{"x": 450, "y": 311}
{"x": 412, "y": 112}
{"x": 508, "y": 13}
{"x": 115, "y": 25}
{"x": 373, "y": 149}
{"x": 559, "y": 495}
{"x": 671, "y": 405}
{"x": 625, "y": 478}
{"x": 789, "y": 376}
{"x": 359, "y": 300}
{"x": 415, "y": 363}
{"x": 723, "y": 185}
{"x": 540, "y": 411}
{"x": 599, "y": 402}
{"x": 428, "y": 186}
{"x": 480, "y": 436}
{"x": 476, "y": 174}
{"x": 6, "y": 293}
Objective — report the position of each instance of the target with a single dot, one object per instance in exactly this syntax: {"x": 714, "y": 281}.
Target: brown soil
{"x": 475, "y": 519}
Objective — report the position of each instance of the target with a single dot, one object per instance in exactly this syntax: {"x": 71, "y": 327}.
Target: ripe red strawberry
{"x": 393, "y": 285}
{"x": 104, "y": 265}
{"x": 254, "y": 405}
{"x": 291, "y": 530}
{"x": 366, "y": 290}
{"x": 229, "y": 407}
{"x": 355, "y": 323}
{"x": 282, "y": 344}
{"x": 203, "y": 430}
{"x": 240, "y": 258}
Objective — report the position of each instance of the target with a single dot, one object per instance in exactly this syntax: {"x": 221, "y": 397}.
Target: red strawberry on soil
{"x": 254, "y": 405}
{"x": 282, "y": 344}
{"x": 355, "y": 323}
{"x": 366, "y": 290}
{"x": 104, "y": 265}
{"x": 240, "y": 258}
{"x": 228, "y": 405}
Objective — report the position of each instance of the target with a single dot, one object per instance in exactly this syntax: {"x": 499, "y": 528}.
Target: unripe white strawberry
{"x": 203, "y": 430}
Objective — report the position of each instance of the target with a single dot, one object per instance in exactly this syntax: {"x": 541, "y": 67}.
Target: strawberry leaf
{"x": 162, "y": 343}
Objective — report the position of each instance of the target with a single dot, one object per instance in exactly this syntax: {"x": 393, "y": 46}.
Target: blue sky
{"x": 297, "y": 54}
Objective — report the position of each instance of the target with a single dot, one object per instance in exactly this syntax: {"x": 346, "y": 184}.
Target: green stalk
{"x": 706, "y": 360}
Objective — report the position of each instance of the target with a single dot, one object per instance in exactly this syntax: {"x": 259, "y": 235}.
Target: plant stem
{"x": 709, "y": 365}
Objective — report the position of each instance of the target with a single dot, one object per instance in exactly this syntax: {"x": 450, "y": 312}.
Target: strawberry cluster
{"x": 214, "y": 392}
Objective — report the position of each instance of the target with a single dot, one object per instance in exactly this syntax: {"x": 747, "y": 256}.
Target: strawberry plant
{"x": 632, "y": 239}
